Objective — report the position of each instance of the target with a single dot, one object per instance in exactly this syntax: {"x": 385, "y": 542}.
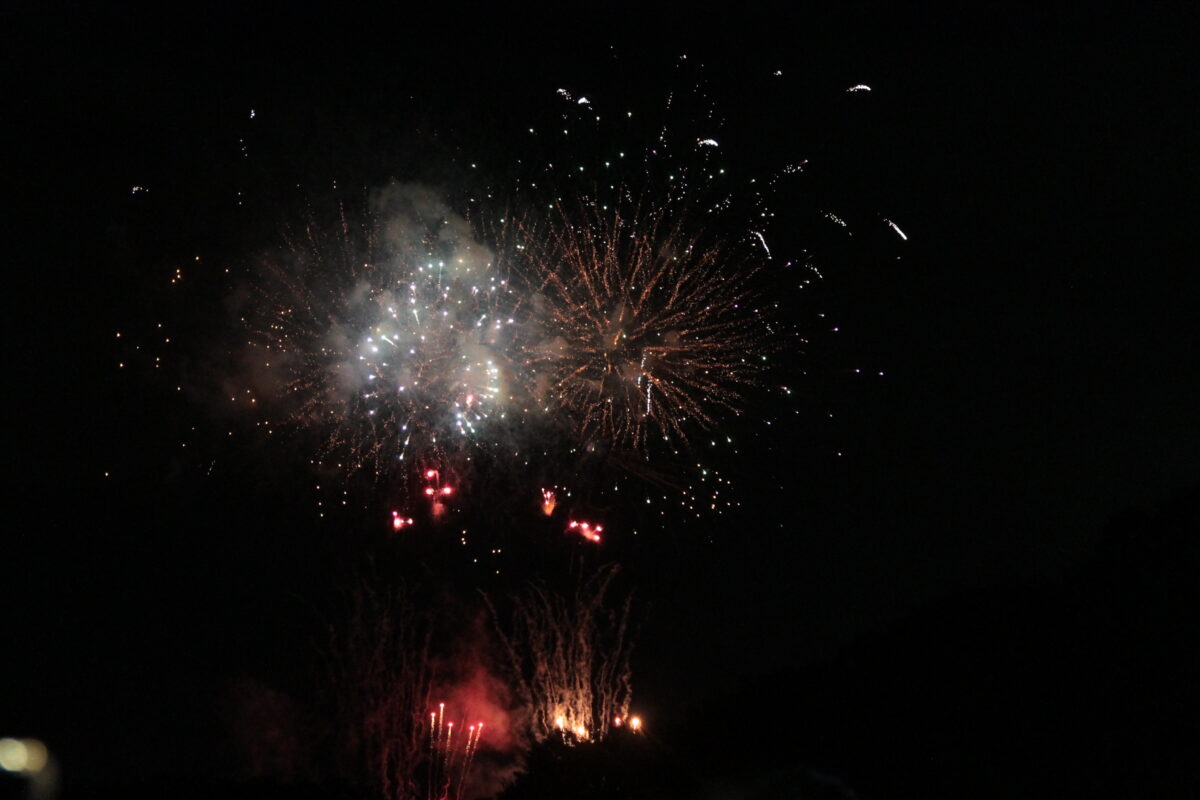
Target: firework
{"x": 622, "y": 325}
{"x": 586, "y": 529}
{"x": 436, "y": 492}
{"x": 389, "y": 329}
{"x": 616, "y": 321}
{"x": 569, "y": 658}
{"x": 449, "y": 763}
{"x": 549, "y": 501}
{"x": 643, "y": 323}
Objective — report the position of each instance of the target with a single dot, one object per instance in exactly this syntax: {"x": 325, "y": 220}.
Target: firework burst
{"x": 401, "y": 339}
{"x": 643, "y": 322}
{"x": 390, "y": 331}
{"x": 563, "y": 320}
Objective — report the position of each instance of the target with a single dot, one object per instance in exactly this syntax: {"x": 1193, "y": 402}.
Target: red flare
{"x": 586, "y": 529}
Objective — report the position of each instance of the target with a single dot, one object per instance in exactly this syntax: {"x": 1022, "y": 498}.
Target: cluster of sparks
{"x": 549, "y": 501}
{"x": 587, "y": 530}
{"x": 449, "y": 758}
{"x": 569, "y": 658}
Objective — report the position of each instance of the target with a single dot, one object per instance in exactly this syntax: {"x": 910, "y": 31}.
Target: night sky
{"x": 973, "y": 575}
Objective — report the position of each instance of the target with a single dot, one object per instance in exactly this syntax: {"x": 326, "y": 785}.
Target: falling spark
{"x": 763, "y": 240}
{"x": 896, "y": 228}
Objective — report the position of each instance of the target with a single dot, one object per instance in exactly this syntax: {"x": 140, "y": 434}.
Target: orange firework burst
{"x": 645, "y": 323}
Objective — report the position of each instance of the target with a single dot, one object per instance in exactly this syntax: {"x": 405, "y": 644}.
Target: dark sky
{"x": 1037, "y": 330}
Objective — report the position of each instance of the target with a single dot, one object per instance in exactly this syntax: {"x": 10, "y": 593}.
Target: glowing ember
{"x": 586, "y": 529}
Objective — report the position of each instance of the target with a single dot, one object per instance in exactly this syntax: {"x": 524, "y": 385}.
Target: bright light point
{"x": 635, "y": 723}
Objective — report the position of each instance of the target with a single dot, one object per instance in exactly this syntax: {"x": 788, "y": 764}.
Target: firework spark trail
{"x": 445, "y": 761}
{"x": 474, "y": 732}
{"x": 379, "y": 663}
{"x": 569, "y": 658}
{"x": 433, "y": 728}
